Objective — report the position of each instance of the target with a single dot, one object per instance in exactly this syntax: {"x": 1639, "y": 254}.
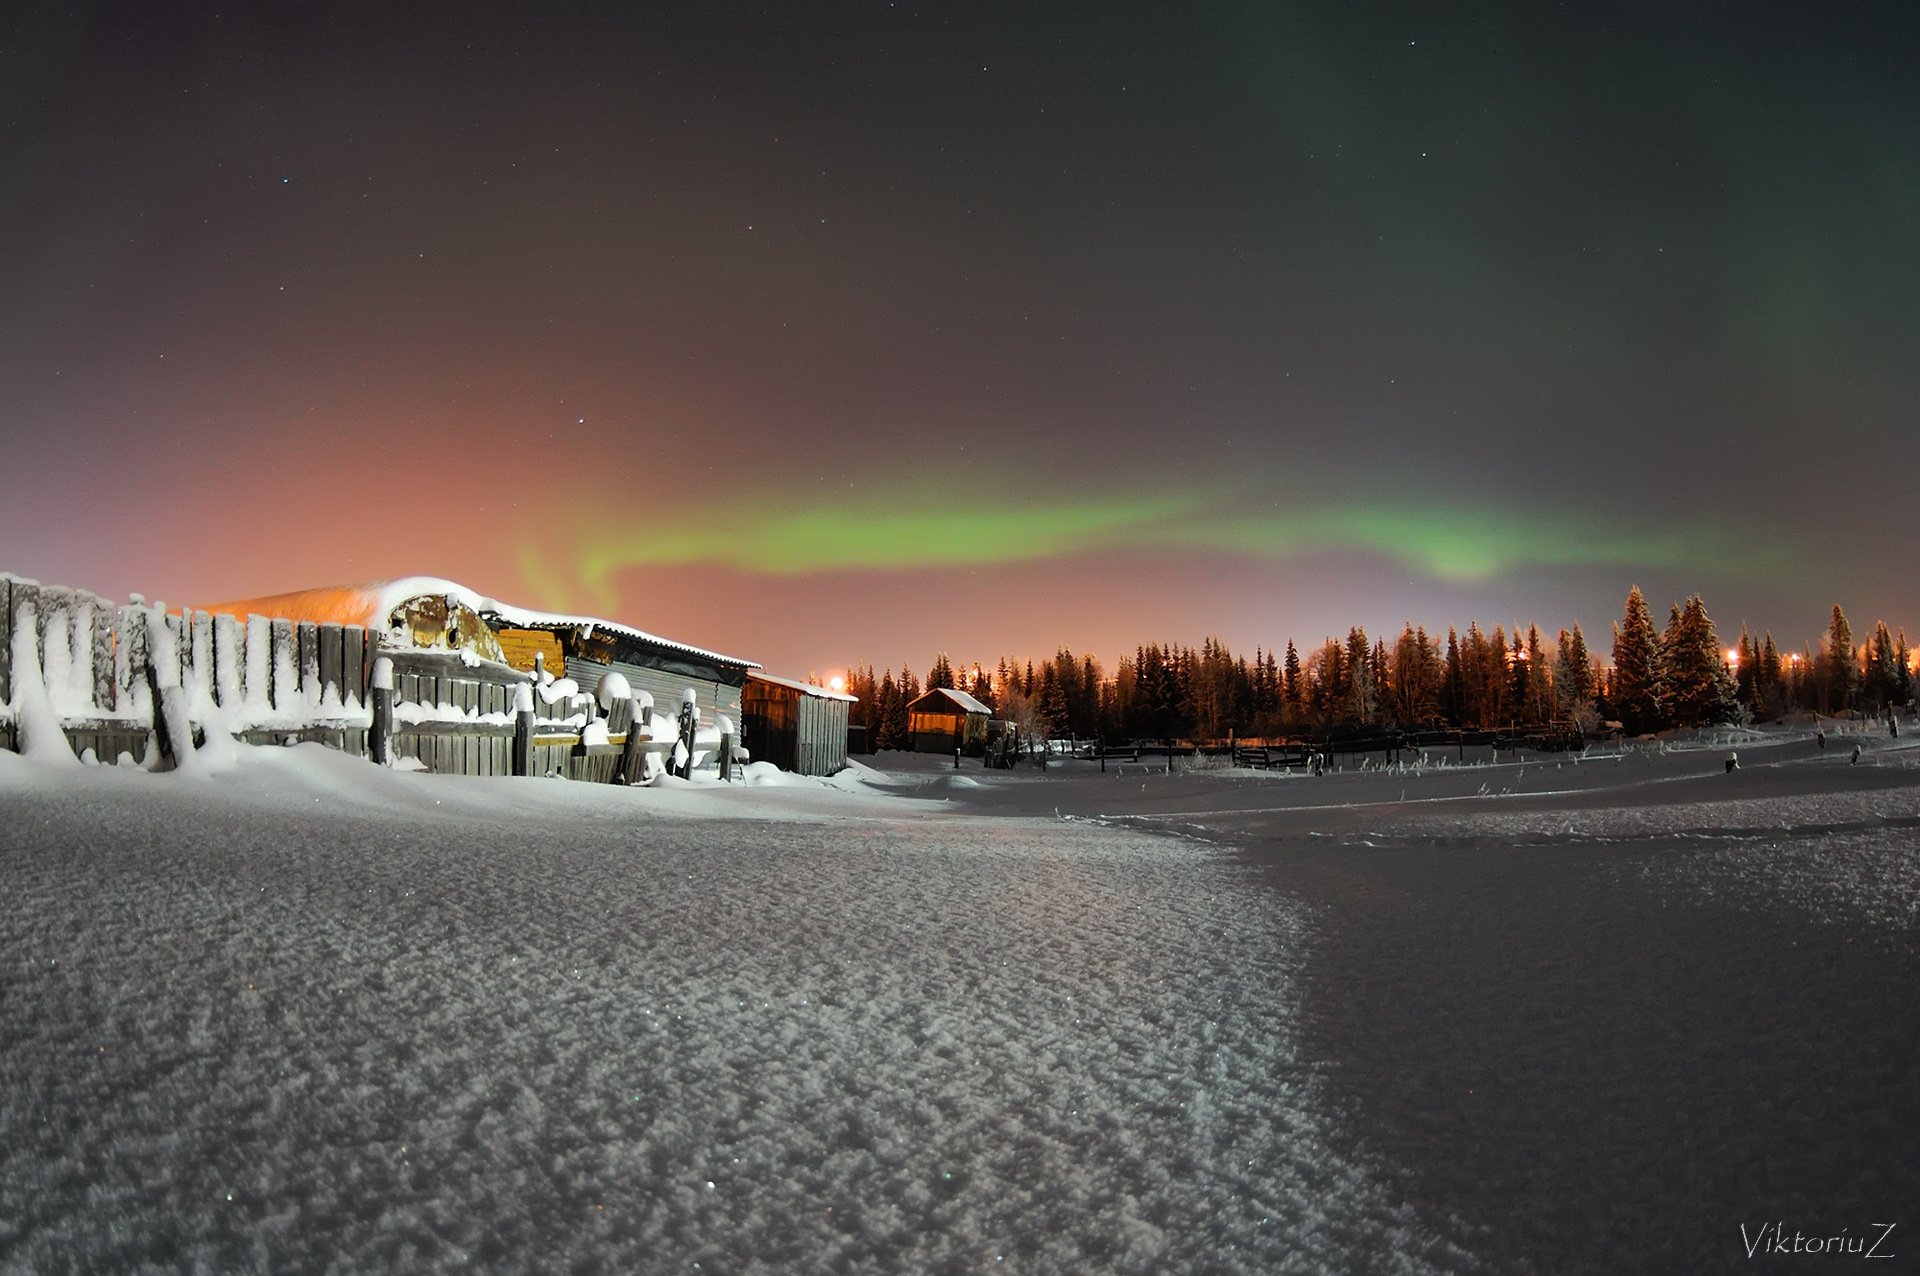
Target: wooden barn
{"x": 946, "y": 719}
{"x": 794, "y": 725}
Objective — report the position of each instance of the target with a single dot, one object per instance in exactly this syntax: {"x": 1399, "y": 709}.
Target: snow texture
{"x": 613, "y": 689}
{"x": 313, "y": 1014}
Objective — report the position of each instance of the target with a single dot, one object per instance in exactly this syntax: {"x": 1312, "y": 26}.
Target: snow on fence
{"x": 81, "y": 676}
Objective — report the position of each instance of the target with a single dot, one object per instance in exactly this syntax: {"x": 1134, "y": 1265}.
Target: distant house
{"x": 946, "y": 719}
{"x": 794, "y": 725}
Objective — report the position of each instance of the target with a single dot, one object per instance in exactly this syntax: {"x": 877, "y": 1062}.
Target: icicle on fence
{"x": 83, "y": 677}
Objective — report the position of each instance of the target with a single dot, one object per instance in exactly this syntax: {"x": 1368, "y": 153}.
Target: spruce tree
{"x": 1638, "y": 689}
{"x": 982, "y": 688}
{"x": 1843, "y": 676}
{"x": 1879, "y": 685}
{"x": 1746, "y": 673}
{"x": 886, "y": 731}
{"x": 1292, "y": 699}
{"x": 1539, "y": 702}
{"x": 1572, "y": 674}
{"x": 1770, "y": 682}
{"x": 1361, "y": 699}
{"x": 1699, "y": 688}
{"x": 1453, "y": 694}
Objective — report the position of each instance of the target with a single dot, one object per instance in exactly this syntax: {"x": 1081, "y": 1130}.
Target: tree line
{"x": 1678, "y": 675}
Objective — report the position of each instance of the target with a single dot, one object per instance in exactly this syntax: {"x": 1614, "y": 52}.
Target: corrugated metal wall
{"x": 666, "y": 688}
{"x": 823, "y": 735}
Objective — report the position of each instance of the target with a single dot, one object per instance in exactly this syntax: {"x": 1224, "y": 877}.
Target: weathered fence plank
{"x": 331, "y": 659}
{"x": 283, "y": 689}
{"x": 380, "y": 733}
{"x": 129, "y": 658}
{"x": 309, "y": 640}
{"x": 6, "y": 639}
{"x": 201, "y": 687}
{"x": 100, "y": 642}
{"x": 228, "y": 686}
{"x": 353, "y": 671}
{"x": 172, "y": 722}
{"x": 258, "y": 682}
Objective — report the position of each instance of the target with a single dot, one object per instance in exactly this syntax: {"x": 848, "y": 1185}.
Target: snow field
{"x": 374, "y": 1022}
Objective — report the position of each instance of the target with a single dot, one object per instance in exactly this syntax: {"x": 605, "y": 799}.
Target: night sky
{"x": 834, "y": 332}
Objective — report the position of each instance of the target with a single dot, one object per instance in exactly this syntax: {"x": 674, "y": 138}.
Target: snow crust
{"x": 866, "y": 1023}
{"x": 421, "y": 1022}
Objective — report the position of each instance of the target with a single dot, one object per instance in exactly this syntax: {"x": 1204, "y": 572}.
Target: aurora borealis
{"x": 844, "y": 332}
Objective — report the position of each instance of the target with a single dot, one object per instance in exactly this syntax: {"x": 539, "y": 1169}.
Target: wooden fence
{"x": 135, "y": 683}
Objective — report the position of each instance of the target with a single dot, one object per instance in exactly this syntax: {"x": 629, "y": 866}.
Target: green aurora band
{"x": 1445, "y": 544}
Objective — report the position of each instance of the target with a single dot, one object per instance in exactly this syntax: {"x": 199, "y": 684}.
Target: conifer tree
{"x": 941, "y": 675}
{"x": 1539, "y": 699}
{"x": 1291, "y": 691}
{"x": 1746, "y": 673}
{"x": 1843, "y": 676}
{"x": 1415, "y": 678}
{"x": 982, "y": 688}
{"x": 1769, "y": 681}
{"x": 1051, "y": 701}
{"x": 861, "y": 686}
{"x": 1879, "y": 684}
{"x": 1699, "y": 690}
{"x": 1359, "y": 701}
{"x": 1573, "y": 679}
{"x": 1453, "y": 699}
{"x": 1382, "y": 669}
{"x": 888, "y": 732}
{"x": 1638, "y": 691}
{"x": 1087, "y": 712}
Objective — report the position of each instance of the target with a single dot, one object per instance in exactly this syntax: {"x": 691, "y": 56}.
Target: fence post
{"x": 726, "y": 756}
{"x": 523, "y": 729}
{"x": 380, "y": 733}
{"x": 639, "y": 734}
{"x": 689, "y": 723}
{"x": 172, "y": 725}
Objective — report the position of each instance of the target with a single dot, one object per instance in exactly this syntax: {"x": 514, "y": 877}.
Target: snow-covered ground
{"x": 309, "y": 1015}
{"x": 294, "y": 1012}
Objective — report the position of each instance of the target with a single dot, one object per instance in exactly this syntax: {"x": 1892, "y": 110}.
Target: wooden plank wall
{"x": 456, "y": 744}
{"x": 307, "y": 682}
{"x": 279, "y": 681}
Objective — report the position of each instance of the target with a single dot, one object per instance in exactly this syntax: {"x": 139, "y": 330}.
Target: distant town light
{"x": 837, "y": 683}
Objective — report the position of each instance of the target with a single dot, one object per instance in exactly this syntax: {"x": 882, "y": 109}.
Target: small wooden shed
{"x": 946, "y": 719}
{"x": 794, "y": 725}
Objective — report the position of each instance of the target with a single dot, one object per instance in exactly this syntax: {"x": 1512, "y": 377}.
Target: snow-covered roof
{"x": 823, "y": 693}
{"x": 959, "y": 697}
{"x": 370, "y": 603}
